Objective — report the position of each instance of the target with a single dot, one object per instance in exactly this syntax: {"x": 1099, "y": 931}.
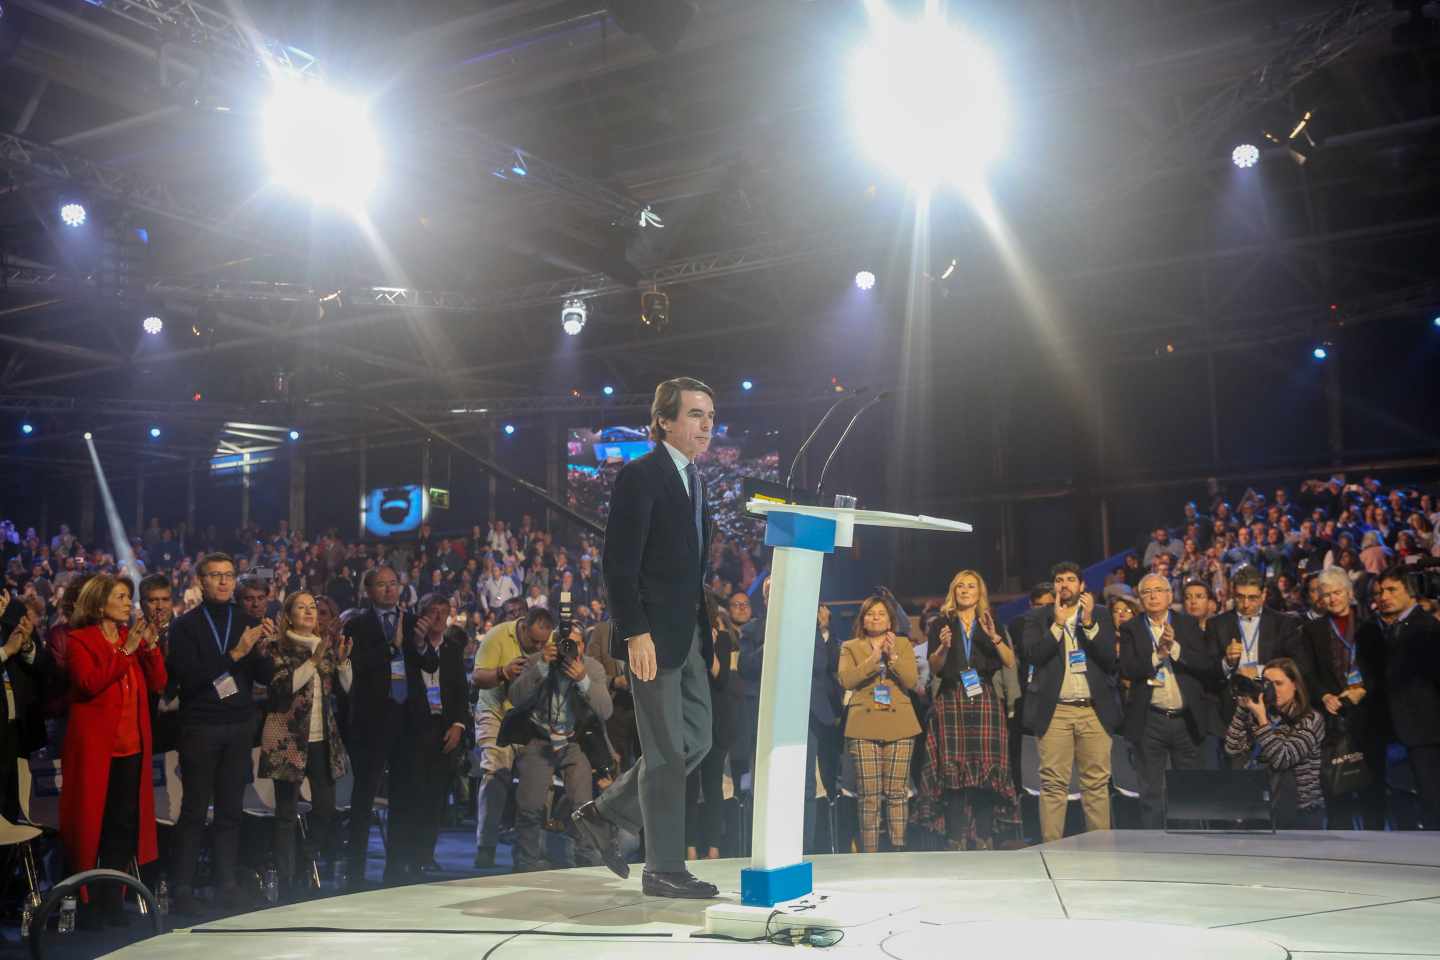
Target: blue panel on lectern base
{"x": 765, "y": 888}
{"x": 801, "y": 531}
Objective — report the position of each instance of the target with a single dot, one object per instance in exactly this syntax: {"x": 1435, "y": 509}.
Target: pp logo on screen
{"x": 393, "y": 510}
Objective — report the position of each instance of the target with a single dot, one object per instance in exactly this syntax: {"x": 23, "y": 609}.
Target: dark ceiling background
{"x": 1148, "y": 317}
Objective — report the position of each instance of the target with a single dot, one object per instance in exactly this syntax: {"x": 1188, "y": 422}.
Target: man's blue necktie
{"x": 693, "y": 476}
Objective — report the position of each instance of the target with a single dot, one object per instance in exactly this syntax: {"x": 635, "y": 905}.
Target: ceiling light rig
{"x": 573, "y": 316}
{"x": 1298, "y": 141}
{"x": 655, "y": 310}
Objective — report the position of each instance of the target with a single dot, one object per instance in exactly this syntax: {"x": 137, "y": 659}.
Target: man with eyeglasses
{"x": 216, "y": 658}
{"x": 1250, "y": 636}
{"x": 1175, "y": 678}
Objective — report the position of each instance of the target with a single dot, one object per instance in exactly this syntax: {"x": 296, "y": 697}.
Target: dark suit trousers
{"x": 1425, "y": 764}
{"x": 370, "y": 749}
{"x": 9, "y": 770}
{"x": 823, "y": 745}
{"x": 673, "y": 715}
{"x": 1166, "y": 742}
{"x": 214, "y": 765}
{"x": 419, "y": 784}
{"x": 704, "y": 822}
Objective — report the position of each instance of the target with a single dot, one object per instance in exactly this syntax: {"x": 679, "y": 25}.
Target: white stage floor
{"x": 1313, "y": 895}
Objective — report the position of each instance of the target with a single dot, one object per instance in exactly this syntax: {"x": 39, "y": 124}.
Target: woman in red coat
{"x": 107, "y": 804}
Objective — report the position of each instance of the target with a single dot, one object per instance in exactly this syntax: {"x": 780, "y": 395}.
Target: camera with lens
{"x": 1253, "y": 688}
{"x": 566, "y": 646}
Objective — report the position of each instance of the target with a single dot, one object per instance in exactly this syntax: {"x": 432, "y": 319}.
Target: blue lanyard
{"x": 1348, "y": 645}
{"x": 215, "y": 632}
{"x": 1252, "y": 642}
{"x": 966, "y": 638}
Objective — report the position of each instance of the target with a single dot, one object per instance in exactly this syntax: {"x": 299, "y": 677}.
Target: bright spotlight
{"x": 747, "y": 385}
{"x": 321, "y": 144}
{"x": 1245, "y": 156}
{"x": 89, "y": 435}
{"x": 509, "y": 429}
{"x": 72, "y": 215}
{"x": 572, "y": 316}
{"x": 294, "y": 434}
{"x": 27, "y": 428}
{"x": 153, "y": 325}
{"x": 1320, "y": 353}
{"x": 864, "y": 279}
{"x": 1436, "y": 321}
{"x": 609, "y": 391}
{"x": 154, "y": 433}
{"x": 928, "y": 101}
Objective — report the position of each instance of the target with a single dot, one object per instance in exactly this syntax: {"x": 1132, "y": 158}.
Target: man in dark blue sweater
{"x": 217, "y": 654}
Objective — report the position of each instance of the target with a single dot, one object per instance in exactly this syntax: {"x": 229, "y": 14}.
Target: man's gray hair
{"x": 1335, "y": 578}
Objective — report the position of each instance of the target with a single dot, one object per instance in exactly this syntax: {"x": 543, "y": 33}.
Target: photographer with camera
{"x": 567, "y": 699}
{"x": 1275, "y": 728}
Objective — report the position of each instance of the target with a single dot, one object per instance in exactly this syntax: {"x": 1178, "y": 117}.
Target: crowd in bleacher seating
{"x": 1257, "y": 634}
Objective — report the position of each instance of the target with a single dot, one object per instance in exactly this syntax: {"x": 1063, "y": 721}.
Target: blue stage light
{"x": 1320, "y": 353}
{"x": 608, "y": 390}
{"x": 747, "y": 385}
{"x": 72, "y": 215}
{"x": 27, "y": 429}
{"x": 294, "y": 434}
{"x": 509, "y": 429}
{"x": 154, "y": 433}
{"x": 864, "y": 279}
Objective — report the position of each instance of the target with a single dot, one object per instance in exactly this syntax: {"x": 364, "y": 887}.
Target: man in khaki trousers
{"x": 1070, "y": 701}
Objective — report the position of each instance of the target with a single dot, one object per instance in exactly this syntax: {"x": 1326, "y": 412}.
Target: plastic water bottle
{"x": 272, "y": 885}
{"x": 162, "y": 897}
{"x": 66, "y": 923}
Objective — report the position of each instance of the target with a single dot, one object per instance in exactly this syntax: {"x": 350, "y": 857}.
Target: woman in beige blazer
{"x": 880, "y": 725}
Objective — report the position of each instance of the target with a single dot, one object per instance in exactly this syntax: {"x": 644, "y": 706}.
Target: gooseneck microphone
{"x": 790, "y": 477}
{"x": 882, "y": 395}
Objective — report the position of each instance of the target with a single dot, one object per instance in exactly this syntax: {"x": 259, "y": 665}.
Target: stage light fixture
{"x": 72, "y": 215}
{"x": 294, "y": 434}
{"x": 1298, "y": 141}
{"x": 865, "y": 280}
{"x": 655, "y": 309}
{"x": 518, "y": 167}
{"x": 1320, "y": 352}
{"x": 572, "y": 317}
{"x": 1436, "y": 321}
{"x": 154, "y": 433}
{"x": 928, "y": 101}
{"x": 1245, "y": 156}
{"x": 27, "y": 428}
{"x": 320, "y": 143}
{"x": 608, "y": 390}
{"x": 747, "y": 385}
{"x": 153, "y": 325}
{"x": 509, "y": 429}
{"x": 89, "y": 435}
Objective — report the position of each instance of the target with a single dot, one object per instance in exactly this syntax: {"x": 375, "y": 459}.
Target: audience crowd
{"x": 1294, "y": 635}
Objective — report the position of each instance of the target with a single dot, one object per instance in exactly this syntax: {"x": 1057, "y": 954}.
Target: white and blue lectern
{"x": 801, "y": 537}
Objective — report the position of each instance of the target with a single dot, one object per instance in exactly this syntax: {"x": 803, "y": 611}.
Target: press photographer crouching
{"x": 1274, "y": 728}
{"x": 557, "y": 724}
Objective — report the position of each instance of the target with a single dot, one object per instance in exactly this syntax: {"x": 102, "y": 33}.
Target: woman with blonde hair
{"x": 966, "y": 788}
{"x": 107, "y": 806}
{"x": 300, "y": 738}
{"x": 880, "y": 724}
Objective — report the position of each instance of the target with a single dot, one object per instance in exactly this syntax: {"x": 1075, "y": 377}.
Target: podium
{"x": 801, "y": 537}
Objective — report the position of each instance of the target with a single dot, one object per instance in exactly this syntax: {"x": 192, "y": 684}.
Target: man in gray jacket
{"x": 569, "y": 693}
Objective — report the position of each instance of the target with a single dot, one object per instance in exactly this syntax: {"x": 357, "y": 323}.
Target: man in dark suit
{"x": 827, "y": 705}
{"x": 436, "y": 710}
{"x": 23, "y": 665}
{"x": 655, "y": 547}
{"x": 1250, "y": 636}
{"x": 1175, "y": 678}
{"x": 1404, "y": 644}
{"x": 377, "y": 701}
{"x": 1070, "y": 701}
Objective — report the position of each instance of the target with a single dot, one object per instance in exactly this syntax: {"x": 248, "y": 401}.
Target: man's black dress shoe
{"x": 603, "y": 836}
{"x": 681, "y": 886}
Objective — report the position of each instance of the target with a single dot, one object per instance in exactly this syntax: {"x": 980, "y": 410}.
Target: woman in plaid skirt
{"x": 880, "y": 726}
{"x": 966, "y": 788}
